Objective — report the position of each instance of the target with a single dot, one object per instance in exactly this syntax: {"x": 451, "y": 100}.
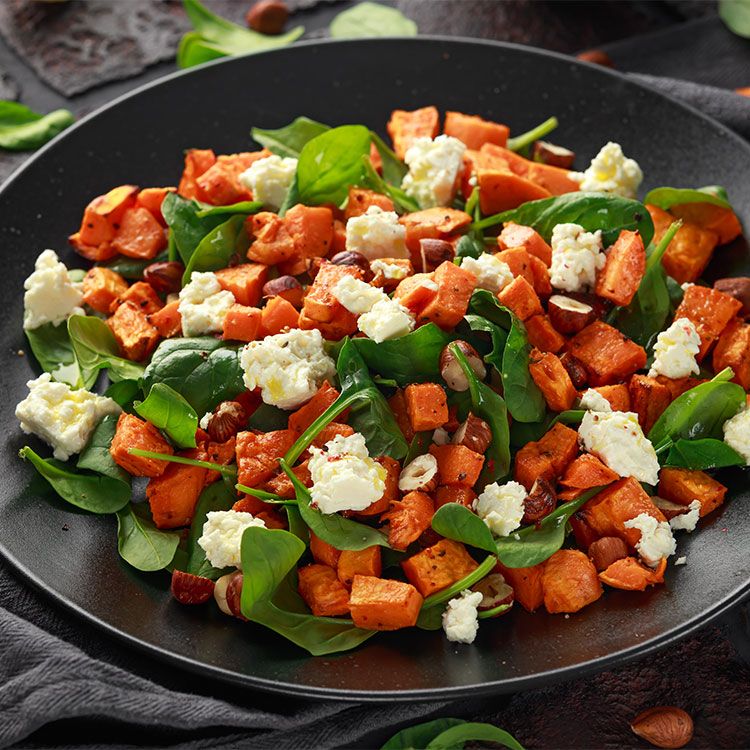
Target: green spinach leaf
{"x": 394, "y": 170}
{"x": 132, "y": 268}
{"x": 457, "y": 522}
{"x": 456, "y": 737}
{"x": 124, "y": 392}
{"x": 290, "y": 140}
{"x": 54, "y": 352}
{"x": 140, "y": 543}
{"x": 166, "y": 409}
{"x": 187, "y": 228}
{"x": 702, "y": 454}
{"x": 268, "y": 418}
{"x": 418, "y": 736}
{"x": 736, "y": 15}
{"x": 96, "y": 456}
{"x": 522, "y": 141}
{"x": 372, "y": 180}
{"x": 470, "y": 245}
{"x": 666, "y": 197}
{"x": 243, "y": 209}
{"x": 22, "y": 129}
{"x": 368, "y": 19}
{"x": 215, "y": 250}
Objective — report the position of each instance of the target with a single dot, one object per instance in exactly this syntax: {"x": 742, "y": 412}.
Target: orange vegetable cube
{"x": 397, "y": 402}
{"x": 542, "y": 334}
{"x": 96, "y": 253}
{"x": 474, "y": 131}
{"x": 320, "y": 303}
{"x": 245, "y": 282}
{"x": 331, "y": 431}
{"x": 322, "y": 591}
{"x": 708, "y": 217}
{"x": 552, "y": 380}
{"x": 629, "y": 574}
{"x": 361, "y": 199}
{"x": 382, "y": 604}
{"x": 241, "y": 323}
{"x": 526, "y": 584}
{"x": 648, "y": 399}
{"x": 426, "y": 405}
{"x": 621, "y": 276}
{"x": 197, "y": 161}
{"x": 432, "y": 223}
{"x": 540, "y": 273}
{"x": 152, "y": 198}
{"x": 277, "y": 316}
{"x": 167, "y": 321}
{"x": 416, "y": 292}
{"x": 455, "y": 287}
{"x": 588, "y": 471}
{"x": 103, "y": 215}
{"x": 391, "y": 492}
{"x": 272, "y": 242}
{"x": 408, "y": 518}
{"x": 516, "y": 235}
{"x": 546, "y": 458}
{"x": 617, "y": 395}
{"x": 710, "y": 310}
{"x": 366, "y": 562}
{"x": 682, "y": 486}
{"x": 501, "y": 190}
{"x": 569, "y": 582}
{"x": 454, "y": 493}
{"x": 139, "y": 234}
{"x": 301, "y": 419}
{"x": 258, "y": 454}
{"x": 142, "y": 295}
{"x": 132, "y": 432}
{"x": 607, "y": 355}
{"x": 519, "y": 262}
{"x": 457, "y": 464}
{"x": 101, "y": 286}
{"x": 439, "y": 566}
{"x": 519, "y": 297}
{"x": 220, "y": 184}
{"x": 405, "y": 127}
{"x": 135, "y": 336}
{"x": 173, "y": 494}
{"x": 311, "y": 228}
{"x": 733, "y": 350}
{"x": 322, "y": 552}
{"x": 282, "y": 486}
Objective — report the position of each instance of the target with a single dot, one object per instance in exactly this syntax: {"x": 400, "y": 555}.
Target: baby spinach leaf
{"x": 372, "y": 180}
{"x": 124, "y": 392}
{"x": 96, "y": 456}
{"x": 203, "y": 370}
{"x": 610, "y": 213}
{"x": 289, "y": 140}
{"x": 296, "y": 525}
{"x": 368, "y": 19}
{"x": 414, "y": 358}
{"x": 457, "y": 522}
{"x": 131, "y": 268}
{"x": 187, "y": 228}
{"x": 736, "y": 15}
{"x": 166, "y": 409}
{"x": 243, "y": 209}
{"x": 394, "y": 170}
{"x": 269, "y": 557}
{"x": 53, "y": 350}
{"x": 330, "y": 163}
{"x": 470, "y": 246}
{"x": 22, "y": 129}
{"x": 456, "y": 737}
{"x": 666, "y": 197}
{"x": 215, "y": 250}
{"x": 520, "y": 142}
{"x": 419, "y": 445}
{"x": 418, "y": 736}
{"x": 95, "y": 493}
{"x": 706, "y": 453}
{"x": 498, "y": 339}
{"x": 217, "y": 496}
{"x": 268, "y": 418}
{"x": 140, "y": 543}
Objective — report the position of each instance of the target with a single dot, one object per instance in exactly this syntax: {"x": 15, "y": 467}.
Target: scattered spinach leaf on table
{"x": 22, "y": 129}
{"x": 418, "y": 736}
{"x": 166, "y": 409}
{"x": 140, "y": 543}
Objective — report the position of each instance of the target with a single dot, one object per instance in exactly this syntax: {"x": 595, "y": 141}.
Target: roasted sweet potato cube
{"x": 132, "y": 433}
{"x": 548, "y": 457}
{"x": 501, "y": 190}
{"x": 139, "y": 234}
{"x": 272, "y": 243}
{"x": 278, "y": 316}
{"x": 241, "y": 323}
{"x": 439, "y": 566}
{"x": 526, "y": 584}
{"x": 710, "y": 310}
{"x": 245, "y": 282}
{"x": 475, "y": 131}
{"x": 607, "y": 355}
{"x": 301, "y": 419}
{"x": 360, "y": 199}
{"x": 685, "y": 485}
{"x": 167, "y": 321}
{"x": 366, "y": 562}
{"x": 173, "y": 494}
{"x": 220, "y": 184}
{"x": 457, "y": 464}
{"x": 629, "y": 574}
{"x": 324, "y": 553}
{"x": 405, "y": 127}
{"x": 408, "y": 518}
{"x": 553, "y": 179}
{"x": 101, "y": 287}
{"x": 142, "y": 295}
{"x": 542, "y": 334}
{"x": 432, "y": 223}
{"x": 553, "y": 380}
{"x": 708, "y": 217}
{"x": 152, "y": 198}
{"x": 135, "y": 336}
{"x": 311, "y": 228}
{"x": 397, "y": 402}
{"x": 648, "y": 398}
{"x": 416, "y": 292}
{"x": 331, "y": 431}
{"x": 454, "y": 493}
{"x": 516, "y": 235}
{"x": 103, "y": 215}
{"x": 519, "y": 262}
{"x": 322, "y": 591}
{"x": 197, "y": 161}
{"x": 540, "y": 277}
{"x": 520, "y": 297}
{"x": 320, "y": 303}
{"x": 391, "y": 492}
{"x": 282, "y": 486}
{"x": 617, "y": 395}
{"x": 258, "y": 454}
{"x": 569, "y": 582}
{"x": 455, "y": 287}
{"x": 426, "y": 405}
{"x": 381, "y": 604}
{"x": 621, "y": 276}
{"x": 733, "y": 350}
{"x": 96, "y": 253}
{"x": 587, "y": 471}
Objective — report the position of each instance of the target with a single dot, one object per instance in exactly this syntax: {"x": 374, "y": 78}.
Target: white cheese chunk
{"x": 617, "y": 439}
{"x": 222, "y": 536}
{"x": 737, "y": 433}
{"x": 434, "y": 166}
{"x": 269, "y": 179}
{"x": 357, "y": 296}
{"x": 392, "y": 271}
{"x": 675, "y": 351}
{"x": 681, "y": 561}
{"x": 656, "y": 539}
{"x": 50, "y": 297}
{"x": 387, "y": 319}
{"x": 288, "y": 367}
{"x": 64, "y": 418}
{"x": 687, "y": 521}
{"x": 501, "y": 507}
{"x": 611, "y": 172}
{"x": 460, "y": 621}
{"x": 203, "y": 305}
{"x": 576, "y": 257}
{"x": 377, "y": 234}
{"x": 592, "y": 400}
{"x": 492, "y": 274}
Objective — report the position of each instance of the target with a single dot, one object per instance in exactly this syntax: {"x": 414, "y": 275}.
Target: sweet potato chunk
{"x": 454, "y": 493}
{"x": 432, "y": 223}
{"x": 733, "y": 350}
{"x": 381, "y": 604}
{"x": 278, "y": 316}
{"x": 104, "y": 214}
{"x": 101, "y": 287}
{"x": 607, "y": 355}
{"x": 501, "y": 190}
{"x": 448, "y": 307}
{"x": 630, "y": 575}
{"x": 546, "y": 458}
{"x": 408, "y": 518}
{"x": 520, "y": 297}
{"x": 519, "y": 262}
{"x": 555, "y": 180}
{"x": 322, "y": 552}
{"x": 197, "y": 161}
{"x": 648, "y": 398}
{"x": 457, "y": 464}
{"x": 139, "y": 234}
{"x": 390, "y": 493}
{"x": 301, "y": 419}
{"x": 220, "y": 184}
{"x": 366, "y": 562}
{"x": 569, "y": 582}
{"x": 552, "y": 380}
{"x": 722, "y": 221}
{"x": 475, "y": 131}
{"x": 621, "y": 276}
{"x": 140, "y": 294}
{"x": 152, "y": 198}
{"x": 282, "y": 486}
{"x": 682, "y": 486}
{"x": 330, "y": 432}
{"x": 360, "y": 199}
{"x": 416, "y": 292}
{"x": 132, "y": 433}
{"x": 245, "y": 282}
{"x": 526, "y": 584}
{"x": 167, "y": 321}
{"x": 241, "y": 323}
{"x": 405, "y": 127}
{"x": 516, "y": 235}
{"x": 617, "y": 395}
{"x": 397, "y": 402}
{"x": 322, "y": 591}
{"x": 587, "y": 471}
{"x": 258, "y": 455}
{"x": 542, "y": 334}
{"x": 174, "y": 493}
{"x": 311, "y": 228}
{"x": 135, "y": 336}
{"x": 710, "y": 310}
{"x": 320, "y": 303}
{"x": 439, "y": 566}
{"x": 426, "y": 405}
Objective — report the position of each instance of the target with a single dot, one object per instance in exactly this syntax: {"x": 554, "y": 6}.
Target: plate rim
{"x": 513, "y": 684}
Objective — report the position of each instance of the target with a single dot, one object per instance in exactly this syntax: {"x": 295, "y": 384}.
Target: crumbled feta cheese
{"x": 205, "y": 419}
{"x": 357, "y": 296}
{"x": 389, "y": 270}
{"x": 288, "y": 367}
{"x": 611, "y": 172}
{"x": 592, "y": 400}
{"x": 501, "y": 507}
{"x": 64, "y": 418}
{"x": 269, "y": 179}
{"x": 656, "y": 539}
{"x": 460, "y": 621}
{"x": 441, "y": 437}
{"x": 377, "y": 234}
{"x": 433, "y": 169}
{"x": 222, "y": 536}
{"x": 50, "y": 297}
{"x": 681, "y": 561}
{"x": 344, "y": 477}
{"x": 492, "y": 274}
{"x": 675, "y": 350}
{"x": 576, "y": 257}
{"x": 203, "y": 305}
{"x": 737, "y": 433}
{"x": 686, "y": 285}
{"x": 387, "y": 319}
{"x": 687, "y": 521}
{"x": 617, "y": 439}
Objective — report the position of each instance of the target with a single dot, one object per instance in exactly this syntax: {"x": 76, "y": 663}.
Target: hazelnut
{"x": 451, "y": 370}
{"x": 596, "y": 56}
{"x": 495, "y": 591}
{"x": 165, "y": 277}
{"x": 603, "y": 552}
{"x": 353, "y": 258}
{"x": 556, "y": 156}
{"x": 434, "y": 252}
{"x": 568, "y": 315}
{"x": 739, "y": 288}
{"x": 575, "y": 369}
{"x": 668, "y": 508}
{"x": 267, "y": 16}
{"x": 419, "y": 475}
{"x": 286, "y": 287}
{"x": 228, "y": 593}
{"x": 228, "y": 419}
{"x": 664, "y": 726}
{"x": 220, "y": 593}
{"x": 474, "y": 434}
{"x": 191, "y": 589}
{"x": 540, "y": 501}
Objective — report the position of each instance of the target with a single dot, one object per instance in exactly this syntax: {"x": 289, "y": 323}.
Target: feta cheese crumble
{"x": 64, "y": 418}
{"x": 617, "y": 439}
{"x": 222, "y": 536}
{"x": 460, "y": 621}
{"x": 269, "y": 179}
{"x": 681, "y": 561}
{"x": 675, "y": 350}
{"x": 656, "y": 538}
{"x": 389, "y": 270}
{"x": 203, "y": 305}
{"x": 357, "y": 296}
{"x": 737, "y": 433}
{"x": 501, "y": 507}
{"x": 592, "y": 400}
{"x": 50, "y": 297}
{"x": 492, "y": 274}
{"x": 687, "y": 521}
{"x": 377, "y": 234}
{"x": 344, "y": 477}
{"x": 387, "y": 319}
{"x": 611, "y": 171}
{"x": 288, "y": 367}
{"x": 576, "y": 257}
{"x": 433, "y": 169}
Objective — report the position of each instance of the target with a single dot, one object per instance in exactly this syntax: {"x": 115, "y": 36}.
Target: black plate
{"x": 139, "y": 139}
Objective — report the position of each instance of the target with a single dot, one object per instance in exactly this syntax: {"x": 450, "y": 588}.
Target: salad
{"x": 340, "y": 387}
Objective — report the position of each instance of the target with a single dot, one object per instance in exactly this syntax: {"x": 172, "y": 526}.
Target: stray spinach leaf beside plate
{"x": 22, "y": 129}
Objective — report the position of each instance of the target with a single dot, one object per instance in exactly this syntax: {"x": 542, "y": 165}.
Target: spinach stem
{"x": 467, "y": 581}
{"x": 527, "y": 138}
{"x": 269, "y": 497}
{"x": 228, "y": 471}
{"x": 485, "y": 613}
